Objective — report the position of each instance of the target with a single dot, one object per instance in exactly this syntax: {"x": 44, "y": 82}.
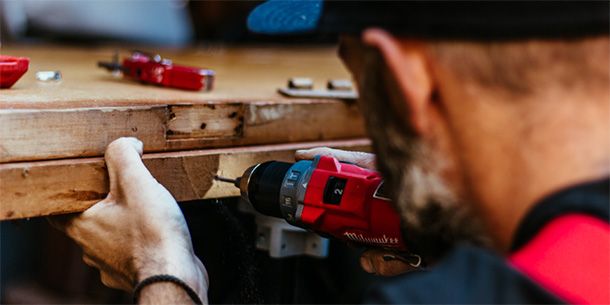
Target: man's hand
{"x": 138, "y": 230}
{"x": 372, "y": 260}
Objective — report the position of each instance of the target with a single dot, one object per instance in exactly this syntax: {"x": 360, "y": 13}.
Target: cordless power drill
{"x": 332, "y": 198}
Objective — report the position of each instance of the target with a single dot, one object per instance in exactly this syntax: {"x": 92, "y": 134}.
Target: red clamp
{"x": 154, "y": 69}
{"x": 11, "y": 69}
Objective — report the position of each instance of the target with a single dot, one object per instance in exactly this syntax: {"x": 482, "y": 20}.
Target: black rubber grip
{"x": 264, "y": 187}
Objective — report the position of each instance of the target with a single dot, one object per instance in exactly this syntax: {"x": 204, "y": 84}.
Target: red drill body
{"x": 344, "y": 201}
{"x": 331, "y": 198}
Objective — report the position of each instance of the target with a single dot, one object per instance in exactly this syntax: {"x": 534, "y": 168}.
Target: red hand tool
{"x": 154, "y": 69}
{"x": 11, "y": 69}
{"x": 331, "y": 198}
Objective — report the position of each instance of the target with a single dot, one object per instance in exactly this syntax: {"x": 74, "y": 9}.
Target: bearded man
{"x": 490, "y": 121}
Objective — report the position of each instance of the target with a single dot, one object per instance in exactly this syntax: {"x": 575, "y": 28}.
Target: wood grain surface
{"x": 242, "y": 74}
{"x": 41, "y": 188}
{"x": 89, "y": 108}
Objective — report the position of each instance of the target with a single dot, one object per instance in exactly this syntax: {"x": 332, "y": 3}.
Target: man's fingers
{"x": 60, "y": 222}
{"x": 89, "y": 261}
{"x": 78, "y": 226}
{"x": 361, "y": 159}
{"x": 112, "y": 282}
{"x": 127, "y": 172}
{"x": 377, "y": 262}
{"x": 107, "y": 276}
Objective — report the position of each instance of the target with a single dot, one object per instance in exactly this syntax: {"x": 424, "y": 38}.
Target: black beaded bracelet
{"x": 165, "y": 278}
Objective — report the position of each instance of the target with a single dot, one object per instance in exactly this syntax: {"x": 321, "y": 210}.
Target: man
{"x": 490, "y": 122}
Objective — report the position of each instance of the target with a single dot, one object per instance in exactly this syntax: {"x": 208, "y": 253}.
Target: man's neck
{"x": 551, "y": 146}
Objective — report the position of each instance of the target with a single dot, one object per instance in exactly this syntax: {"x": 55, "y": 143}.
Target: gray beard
{"x": 434, "y": 219}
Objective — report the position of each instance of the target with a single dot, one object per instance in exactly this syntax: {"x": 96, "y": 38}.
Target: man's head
{"x": 462, "y": 122}
{"x": 441, "y": 113}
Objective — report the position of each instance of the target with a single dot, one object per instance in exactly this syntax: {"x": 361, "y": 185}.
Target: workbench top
{"x": 53, "y": 135}
{"x": 242, "y": 74}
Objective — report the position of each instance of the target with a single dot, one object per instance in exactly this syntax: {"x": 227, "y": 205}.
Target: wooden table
{"x": 53, "y": 135}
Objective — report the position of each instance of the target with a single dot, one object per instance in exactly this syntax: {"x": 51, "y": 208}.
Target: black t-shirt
{"x": 470, "y": 275}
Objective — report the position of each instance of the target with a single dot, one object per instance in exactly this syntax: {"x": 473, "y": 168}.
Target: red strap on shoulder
{"x": 571, "y": 258}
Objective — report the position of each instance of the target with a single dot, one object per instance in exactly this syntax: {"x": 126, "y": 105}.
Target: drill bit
{"x": 223, "y": 179}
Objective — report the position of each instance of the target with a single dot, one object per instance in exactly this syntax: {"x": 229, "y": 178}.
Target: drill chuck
{"x": 261, "y": 185}
{"x": 273, "y": 188}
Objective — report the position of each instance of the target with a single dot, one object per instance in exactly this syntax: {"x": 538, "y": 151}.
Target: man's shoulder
{"x": 467, "y": 275}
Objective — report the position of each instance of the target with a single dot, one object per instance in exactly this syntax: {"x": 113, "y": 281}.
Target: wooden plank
{"x": 43, "y": 134}
{"x": 31, "y": 189}
{"x": 60, "y": 133}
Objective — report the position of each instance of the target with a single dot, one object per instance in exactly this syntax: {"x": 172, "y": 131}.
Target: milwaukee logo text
{"x": 383, "y": 240}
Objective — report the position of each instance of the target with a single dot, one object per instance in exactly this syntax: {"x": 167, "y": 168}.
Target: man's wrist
{"x": 187, "y": 267}
{"x": 167, "y": 287}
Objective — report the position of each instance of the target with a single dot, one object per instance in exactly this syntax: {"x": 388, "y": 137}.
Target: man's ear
{"x": 406, "y": 61}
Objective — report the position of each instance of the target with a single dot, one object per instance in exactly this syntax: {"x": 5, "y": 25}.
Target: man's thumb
{"x": 124, "y": 163}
